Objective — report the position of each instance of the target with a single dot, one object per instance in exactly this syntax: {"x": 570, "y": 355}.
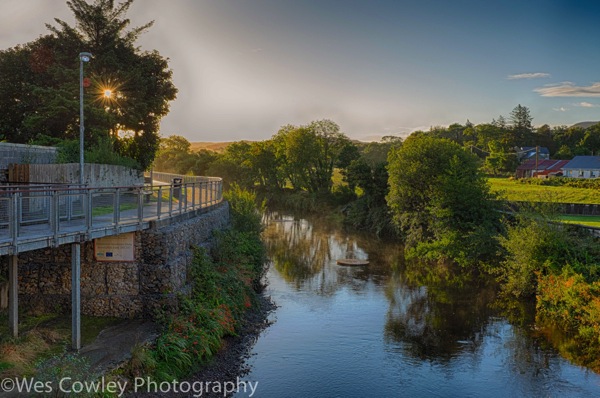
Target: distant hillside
{"x": 584, "y": 125}
{"x": 211, "y": 146}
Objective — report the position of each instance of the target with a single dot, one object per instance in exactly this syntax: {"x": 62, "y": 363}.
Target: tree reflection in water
{"x": 436, "y": 313}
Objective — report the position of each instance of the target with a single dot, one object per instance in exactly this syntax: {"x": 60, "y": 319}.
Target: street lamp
{"x": 83, "y": 57}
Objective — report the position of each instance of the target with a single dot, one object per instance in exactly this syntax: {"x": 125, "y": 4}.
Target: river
{"x": 392, "y": 329}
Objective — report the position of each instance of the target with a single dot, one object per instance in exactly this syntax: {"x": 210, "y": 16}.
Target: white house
{"x": 583, "y": 167}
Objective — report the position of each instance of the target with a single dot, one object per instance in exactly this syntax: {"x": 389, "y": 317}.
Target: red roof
{"x": 544, "y": 167}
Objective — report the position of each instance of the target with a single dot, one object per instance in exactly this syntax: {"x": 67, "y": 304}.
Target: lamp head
{"x": 85, "y": 57}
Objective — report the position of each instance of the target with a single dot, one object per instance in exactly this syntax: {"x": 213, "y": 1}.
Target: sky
{"x": 244, "y": 68}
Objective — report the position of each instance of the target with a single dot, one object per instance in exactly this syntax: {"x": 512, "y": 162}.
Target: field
{"x": 513, "y": 190}
{"x": 211, "y": 146}
{"x": 590, "y": 221}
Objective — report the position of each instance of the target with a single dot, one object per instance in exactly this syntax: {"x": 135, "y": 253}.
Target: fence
{"x": 33, "y": 217}
{"x": 563, "y": 208}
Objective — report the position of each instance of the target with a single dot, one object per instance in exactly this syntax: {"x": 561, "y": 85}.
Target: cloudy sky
{"x": 378, "y": 67}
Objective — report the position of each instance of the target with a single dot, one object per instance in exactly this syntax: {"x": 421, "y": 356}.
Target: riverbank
{"x": 229, "y": 364}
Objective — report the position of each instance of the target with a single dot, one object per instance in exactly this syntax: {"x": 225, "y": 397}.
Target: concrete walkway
{"x": 113, "y": 345}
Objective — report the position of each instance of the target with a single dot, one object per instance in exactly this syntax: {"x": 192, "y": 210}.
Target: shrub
{"x": 574, "y": 304}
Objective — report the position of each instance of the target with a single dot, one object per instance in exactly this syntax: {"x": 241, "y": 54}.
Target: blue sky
{"x": 246, "y": 67}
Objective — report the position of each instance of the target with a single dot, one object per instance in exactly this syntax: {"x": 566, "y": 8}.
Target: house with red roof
{"x": 541, "y": 169}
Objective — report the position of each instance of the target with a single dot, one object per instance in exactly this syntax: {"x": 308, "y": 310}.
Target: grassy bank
{"x": 590, "y": 221}
{"x": 41, "y": 337}
{"x": 225, "y": 283}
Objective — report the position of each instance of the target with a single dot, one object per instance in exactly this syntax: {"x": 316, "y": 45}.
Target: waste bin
{"x": 177, "y": 188}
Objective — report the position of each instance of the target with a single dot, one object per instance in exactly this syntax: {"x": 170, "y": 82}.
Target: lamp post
{"x": 83, "y": 57}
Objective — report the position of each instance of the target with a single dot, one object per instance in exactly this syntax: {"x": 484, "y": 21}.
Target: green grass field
{"x": 590, "y": 221}
{"x": 513, "y": 190}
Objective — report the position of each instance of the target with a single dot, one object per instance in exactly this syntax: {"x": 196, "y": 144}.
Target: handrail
{"x": 33, "y": 218}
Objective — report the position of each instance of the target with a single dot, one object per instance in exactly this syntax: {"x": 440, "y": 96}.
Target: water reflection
{"x": 436, "y": 312}
{"x": 366, "y": 331}
{"x": 305, "y": 254}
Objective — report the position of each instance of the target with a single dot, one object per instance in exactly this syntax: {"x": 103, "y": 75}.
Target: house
{"x": 525, "y": 153}
{"x": 543, "y": 169}
{"x": 583, "y": 167}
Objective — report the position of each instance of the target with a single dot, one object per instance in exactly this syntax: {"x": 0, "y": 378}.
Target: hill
{"x": 211, "y": 146}
{"x": 584, "y": 125}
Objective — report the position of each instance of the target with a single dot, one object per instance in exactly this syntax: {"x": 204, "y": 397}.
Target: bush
{"x": 535, "y": 246}
{"x": 102, "y": 153}
{"x": 245, "y": 216}
{"x": 574, "y": 304}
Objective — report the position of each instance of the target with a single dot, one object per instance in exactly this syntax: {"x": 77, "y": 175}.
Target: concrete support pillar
{"x": 76, "y": 296}
{"x": 13, "y": 295}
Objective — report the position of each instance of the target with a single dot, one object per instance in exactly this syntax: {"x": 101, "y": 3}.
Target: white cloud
{"x": 568, "y": 89}
{"x": 587, "y": 105}
{"x": 537, "y": 75}
{"x": 561, "y": 109}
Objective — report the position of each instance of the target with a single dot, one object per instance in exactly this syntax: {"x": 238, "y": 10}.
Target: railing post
{"x": 14, "y": 218}
{"x": 55, "y": 214}
{"x": 117, "y": 208}
{"x": 159, "y": 202}
{"x": 181, "y": 193}
{"x": 205, "y": 203}
{"x": 88, "y": 196}
{"x": 140, "y": 192}
{"x": 171, "y": 189}
{"x": 193, "y": 195}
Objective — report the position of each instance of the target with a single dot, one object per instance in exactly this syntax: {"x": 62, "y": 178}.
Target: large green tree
{"x": 308, "y": 154}
{"x": 39, "y": 83}
{"x": 440, "y": 201}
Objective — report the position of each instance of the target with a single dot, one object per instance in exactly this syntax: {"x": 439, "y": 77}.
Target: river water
{"x": 393, "y": 329}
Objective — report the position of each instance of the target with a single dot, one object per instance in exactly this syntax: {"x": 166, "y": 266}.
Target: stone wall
{"x": 163, "y": 256}
{"x": 95, "y": 175}
{"x": 25, "y": 154}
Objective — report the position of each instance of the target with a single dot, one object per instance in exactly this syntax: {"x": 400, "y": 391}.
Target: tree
{"x": 521, "y": 126}
{"x": 440, "y": 201}
{"x": 174, "y": 155}
{"x": 235, "y": 165}
{"x": 39, "y": 83}
{"x": 266, "y": 165}
{"x": 308, "y": 154}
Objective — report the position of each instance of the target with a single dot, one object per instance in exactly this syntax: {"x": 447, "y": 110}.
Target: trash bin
{"x": 177, "y": 188}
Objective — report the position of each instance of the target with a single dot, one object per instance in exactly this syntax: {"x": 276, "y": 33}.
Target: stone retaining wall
{"x": 163, "y": 256}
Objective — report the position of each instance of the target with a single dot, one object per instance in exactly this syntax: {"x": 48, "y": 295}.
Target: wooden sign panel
{"x": 115, "y": 248}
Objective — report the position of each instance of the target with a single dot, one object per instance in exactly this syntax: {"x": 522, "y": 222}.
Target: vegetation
{"x": 41, "y": 338}
{"x": 559, "y": 266}
{"x": 430, "y": 193}
{"x": 556, "y": 190}
{"x": 39, "y": 84}
{"x": 440, "y": 201}
{"x": 224, "y": 286}
{"x": 590, "y": 221}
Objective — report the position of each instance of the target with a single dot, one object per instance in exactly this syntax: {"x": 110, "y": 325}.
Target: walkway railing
{"x": 34, "y": 217}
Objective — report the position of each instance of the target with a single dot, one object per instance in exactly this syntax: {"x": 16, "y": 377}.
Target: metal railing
{"x": 34, "y": 217}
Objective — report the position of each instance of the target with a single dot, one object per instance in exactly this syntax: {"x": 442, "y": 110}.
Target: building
{"x": 541, "y": 168}
{"x": 583, "y": 167}
{"x": 525, "y": 153}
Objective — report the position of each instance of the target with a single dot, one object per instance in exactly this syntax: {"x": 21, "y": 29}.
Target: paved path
{"x": 114, "y": 344}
